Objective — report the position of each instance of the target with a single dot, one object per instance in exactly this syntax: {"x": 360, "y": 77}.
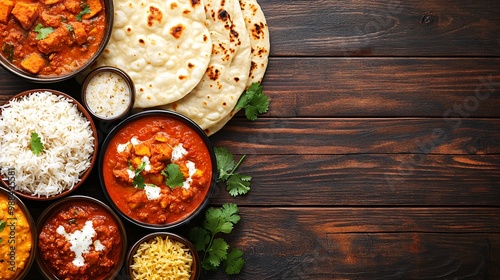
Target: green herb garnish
{"x": 236, "y": 184}
{"x": 8, "y": 50}
{"x": 86, "y": 10}
{"x": 253, "y": 101}
{"x": 36, "y": 144}
{"x": 69, "y": 27}
{"x": 2, "y": 226}
{"x": 215, "y": 250}
{"x": 42, "y": 32}
{"x": 138, "y": 180}
{"x": 173, "y": 175}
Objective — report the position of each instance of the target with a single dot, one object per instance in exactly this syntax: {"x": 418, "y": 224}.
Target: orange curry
{"x": 137, "y": 164}
{"x": 51, "y": 37}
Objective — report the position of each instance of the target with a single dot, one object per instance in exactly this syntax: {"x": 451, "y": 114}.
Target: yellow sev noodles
{"x": 162, "y": 258}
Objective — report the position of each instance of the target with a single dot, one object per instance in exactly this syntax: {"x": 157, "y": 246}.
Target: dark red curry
{"x": 51, "y": 37}
{"x": 143, "y": 150}
{"x": 81, "y": 242}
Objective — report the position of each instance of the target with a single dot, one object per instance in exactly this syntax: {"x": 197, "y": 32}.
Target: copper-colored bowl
{"x": 76, "y": 200}
{"x": 195, "y": 267}
{"x": 94, "y": 155}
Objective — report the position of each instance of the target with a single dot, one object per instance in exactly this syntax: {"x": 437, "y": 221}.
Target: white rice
{"x": 65, "y": 133}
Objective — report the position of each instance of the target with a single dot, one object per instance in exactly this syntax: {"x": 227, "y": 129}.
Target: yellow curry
{"x": 15, "y": 238}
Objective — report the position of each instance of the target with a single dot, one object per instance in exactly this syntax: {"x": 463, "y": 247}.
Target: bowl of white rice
{"x": 49, "y": 144}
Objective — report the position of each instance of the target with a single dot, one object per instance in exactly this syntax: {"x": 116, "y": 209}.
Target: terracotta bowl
{"x": 75, "y": 201}
{"x": 196, "y": 269}
{"x": 85, "y": 174}
{"x": 12, "y": 231}
{"x": 9, "y": 66}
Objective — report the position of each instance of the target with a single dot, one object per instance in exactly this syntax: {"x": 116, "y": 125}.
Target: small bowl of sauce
{"x": 108, "y": 93}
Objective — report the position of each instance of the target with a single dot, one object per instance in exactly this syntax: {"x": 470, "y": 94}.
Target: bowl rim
{"x": 196, "y": 266}
{"x": 33, "y": 230}
{"x": 53, "y": 209}
{"x": 109, "y": 12}
{"x": 197, "y": 129}
{"x": 94, "y": 155}
{"x": 120, "y": 73}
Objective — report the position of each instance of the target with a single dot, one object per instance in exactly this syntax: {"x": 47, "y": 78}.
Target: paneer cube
{"x": 5, "y": 9}
{"x": 79, "y": 32}
{"x": 55, "y": 41}
{"x": 25, "y": 13}
{"x": 72, "y": 6}
{"x": 95, "y": 7}
{"x": 51, "y": 20}
{"x": 142, "y": 149}
{"x": 33, "y": 63}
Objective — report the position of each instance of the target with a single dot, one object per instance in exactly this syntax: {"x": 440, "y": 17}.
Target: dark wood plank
{"x": 351, "y": 243}
{"x": 383, "y": 28}
{"x": 321, "y": 136}
{"x": 383, "y": 87}
{"x": 370, "y": 180}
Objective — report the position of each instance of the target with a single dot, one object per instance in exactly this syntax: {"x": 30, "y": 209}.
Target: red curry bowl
{"x": 139, "y": 160}
{"x": 82, "y": 233}
{"x": 21, "y": 42}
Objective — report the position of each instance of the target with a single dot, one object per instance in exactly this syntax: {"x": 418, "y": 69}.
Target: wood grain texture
{"x": 353, "y": 243}
{"x": 383, "y": 87}
{"x": 321, "y": 136}
{"x": 383, "y": 28}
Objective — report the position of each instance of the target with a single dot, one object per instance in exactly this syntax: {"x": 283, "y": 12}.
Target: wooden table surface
{"x": 380, "y": 155}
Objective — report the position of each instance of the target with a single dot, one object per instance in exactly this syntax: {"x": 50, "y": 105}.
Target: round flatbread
{"x": 256, "y": 25}
{"x": 227, "y": 74}
{"x": 164, "y": 45}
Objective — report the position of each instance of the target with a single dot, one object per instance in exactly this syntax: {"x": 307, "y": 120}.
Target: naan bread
{"x": 227, "y": 74}
{"x": 260, "y": 47}
{"x": 164, "y": 45}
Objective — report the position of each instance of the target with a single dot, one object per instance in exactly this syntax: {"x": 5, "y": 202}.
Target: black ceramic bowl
{"x": 9, "y": 66}
{"x": 99, "y": 210}
{"x": 18, "y": 223}
{"x": 195, "y": 266}
{"x": 118, "y": 196}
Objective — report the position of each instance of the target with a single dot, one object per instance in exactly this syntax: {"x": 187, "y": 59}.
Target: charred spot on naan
{"x": 195, "y": 3}
{"x": 176, "y": 31}
{"x": 213, "y": 73}
{"x": 155, "y": 14}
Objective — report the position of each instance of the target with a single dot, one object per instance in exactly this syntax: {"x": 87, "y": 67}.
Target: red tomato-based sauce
{"x": 56, "y": 250}
{"x": 156, "y": 140}
{"x": 51, "y": 37}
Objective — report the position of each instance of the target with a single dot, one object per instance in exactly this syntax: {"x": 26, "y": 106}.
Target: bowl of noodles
{"x": 163, "y": 255}
{"x": 49, "y": 144}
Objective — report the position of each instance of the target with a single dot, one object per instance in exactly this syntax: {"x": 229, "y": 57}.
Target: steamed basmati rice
{"x": 65, "y": 133}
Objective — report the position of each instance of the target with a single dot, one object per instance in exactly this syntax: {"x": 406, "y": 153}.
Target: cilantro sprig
{"x": 86, "y": 10}
{"x": 215, "y": 250}
{"x": 36, "y": 144}
{"x": 253, "y": 101}
{"x": 173, "y": 175}
{"x": 138, "y": 181}
{"x": 42, "y": 32}
{"x": 236, "y": 184}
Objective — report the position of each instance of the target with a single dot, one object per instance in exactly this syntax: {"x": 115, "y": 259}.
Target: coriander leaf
{"x": 85, "y": 11}
{"x": 139, "y": 182}
{"x": 69, "y": 27}
{"x": 175, "y": 178}
{"x": 221, "y": 219}
{"x": 8, "y": 49}
{"x": 42, "y": 32}
{"x": 217, "y": 252}
{"x": 234, "y": 262}
{"x": 2, "y": 225}
{"x": 225, "y": 162}
{"x": 238, "y": 184}
{"x": 253, "y": 101}
{"x": 207, "y": 265}
{"x": 36, "y": 144}
{"x": 200, "y": 238}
